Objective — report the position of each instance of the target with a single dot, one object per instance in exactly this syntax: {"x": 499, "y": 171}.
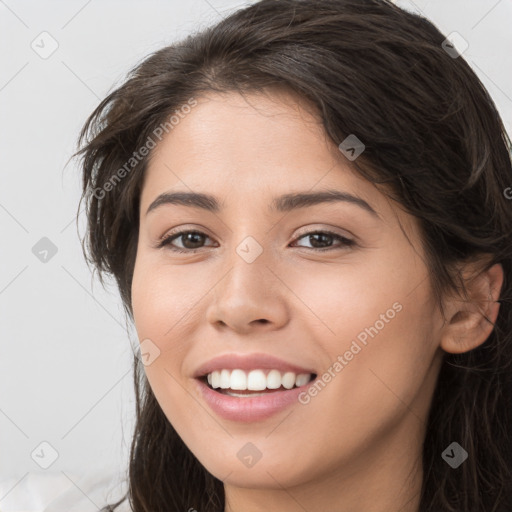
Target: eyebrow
{"x": 284, "y": 203}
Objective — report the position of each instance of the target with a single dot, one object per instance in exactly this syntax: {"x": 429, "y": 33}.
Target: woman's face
{"x": 330, "y": 288}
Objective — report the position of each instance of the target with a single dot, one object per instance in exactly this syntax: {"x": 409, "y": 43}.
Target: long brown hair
{"x": 433, "y": 136}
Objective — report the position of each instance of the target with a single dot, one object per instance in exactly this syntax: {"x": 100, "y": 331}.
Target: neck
{"x": 383, "y": 478}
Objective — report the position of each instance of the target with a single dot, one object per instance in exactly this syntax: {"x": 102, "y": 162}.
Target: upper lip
{"x": 248, "y": 362}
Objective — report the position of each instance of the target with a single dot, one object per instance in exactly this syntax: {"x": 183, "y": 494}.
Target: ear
{"x": 470, "y": 322}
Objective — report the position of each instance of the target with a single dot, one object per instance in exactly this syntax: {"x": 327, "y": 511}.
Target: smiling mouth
{"x": 239, "y": 383}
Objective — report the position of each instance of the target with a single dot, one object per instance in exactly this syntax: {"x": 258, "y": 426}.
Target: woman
{"x": 305, "y": 210}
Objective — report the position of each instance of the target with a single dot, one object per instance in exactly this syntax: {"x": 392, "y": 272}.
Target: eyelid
{"x": 304, "y": 230}
{"x": 168, "y": 238}
{"x": 331, "y": 230}
{"x": 181, "y": 230}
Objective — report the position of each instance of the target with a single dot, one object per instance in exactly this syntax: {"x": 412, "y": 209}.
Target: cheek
{"x": 385, "y": 371}
{"x": 337, "y": 303}
{"x": 164, "y": 298}
{"x": 163, "y": 309}
{"x": 378, "y": 333}
{"x": 158, "y": 304}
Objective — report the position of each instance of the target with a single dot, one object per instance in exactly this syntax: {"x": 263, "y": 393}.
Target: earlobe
{"x": 469, "y": 323}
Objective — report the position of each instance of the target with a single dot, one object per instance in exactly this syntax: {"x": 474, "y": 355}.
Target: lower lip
{"x": 250, "y": 409}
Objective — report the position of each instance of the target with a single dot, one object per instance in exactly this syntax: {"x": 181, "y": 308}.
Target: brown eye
{"x": 191, "y": 241}
{"x": 322, "y": 240}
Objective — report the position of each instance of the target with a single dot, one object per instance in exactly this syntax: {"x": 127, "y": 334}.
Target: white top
{"x": 55, "y": 492}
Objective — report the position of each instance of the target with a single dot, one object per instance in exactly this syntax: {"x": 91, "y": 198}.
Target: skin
{"x": 357, "y": 444}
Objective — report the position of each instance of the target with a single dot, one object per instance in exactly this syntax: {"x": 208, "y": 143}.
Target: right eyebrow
{"x": 288, "y": 202}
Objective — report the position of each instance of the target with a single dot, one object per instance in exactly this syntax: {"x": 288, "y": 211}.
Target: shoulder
{"x": 63, "y": 491}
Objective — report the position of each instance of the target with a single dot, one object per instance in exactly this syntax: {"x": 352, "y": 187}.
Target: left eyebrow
{"x": 192, "y": 199}
{"x": 284, "y": 203}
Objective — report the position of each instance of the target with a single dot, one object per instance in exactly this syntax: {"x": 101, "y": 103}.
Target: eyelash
{"x": 168, "y": 239}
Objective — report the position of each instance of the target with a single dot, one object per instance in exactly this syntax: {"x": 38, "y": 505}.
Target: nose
{"x": 248, "y": 298}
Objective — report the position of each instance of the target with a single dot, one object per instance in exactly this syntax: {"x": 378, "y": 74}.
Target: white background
{"x": 65, "y": 364}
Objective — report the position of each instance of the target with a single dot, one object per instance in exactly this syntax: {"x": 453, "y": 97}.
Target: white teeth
{"x": 238, "y": 380}
{"x": 302, "y": 378}
{"x": 215, "y": 380}
{"x": 225, "y": 380}
{"x": 256, "y": 380}
{"x": 288, "y": 380}
{"x": 273, "y": 379}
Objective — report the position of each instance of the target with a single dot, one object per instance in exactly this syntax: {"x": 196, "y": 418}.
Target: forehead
{"x": 259, "y": 142}
{"x": 247, "y": 151}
